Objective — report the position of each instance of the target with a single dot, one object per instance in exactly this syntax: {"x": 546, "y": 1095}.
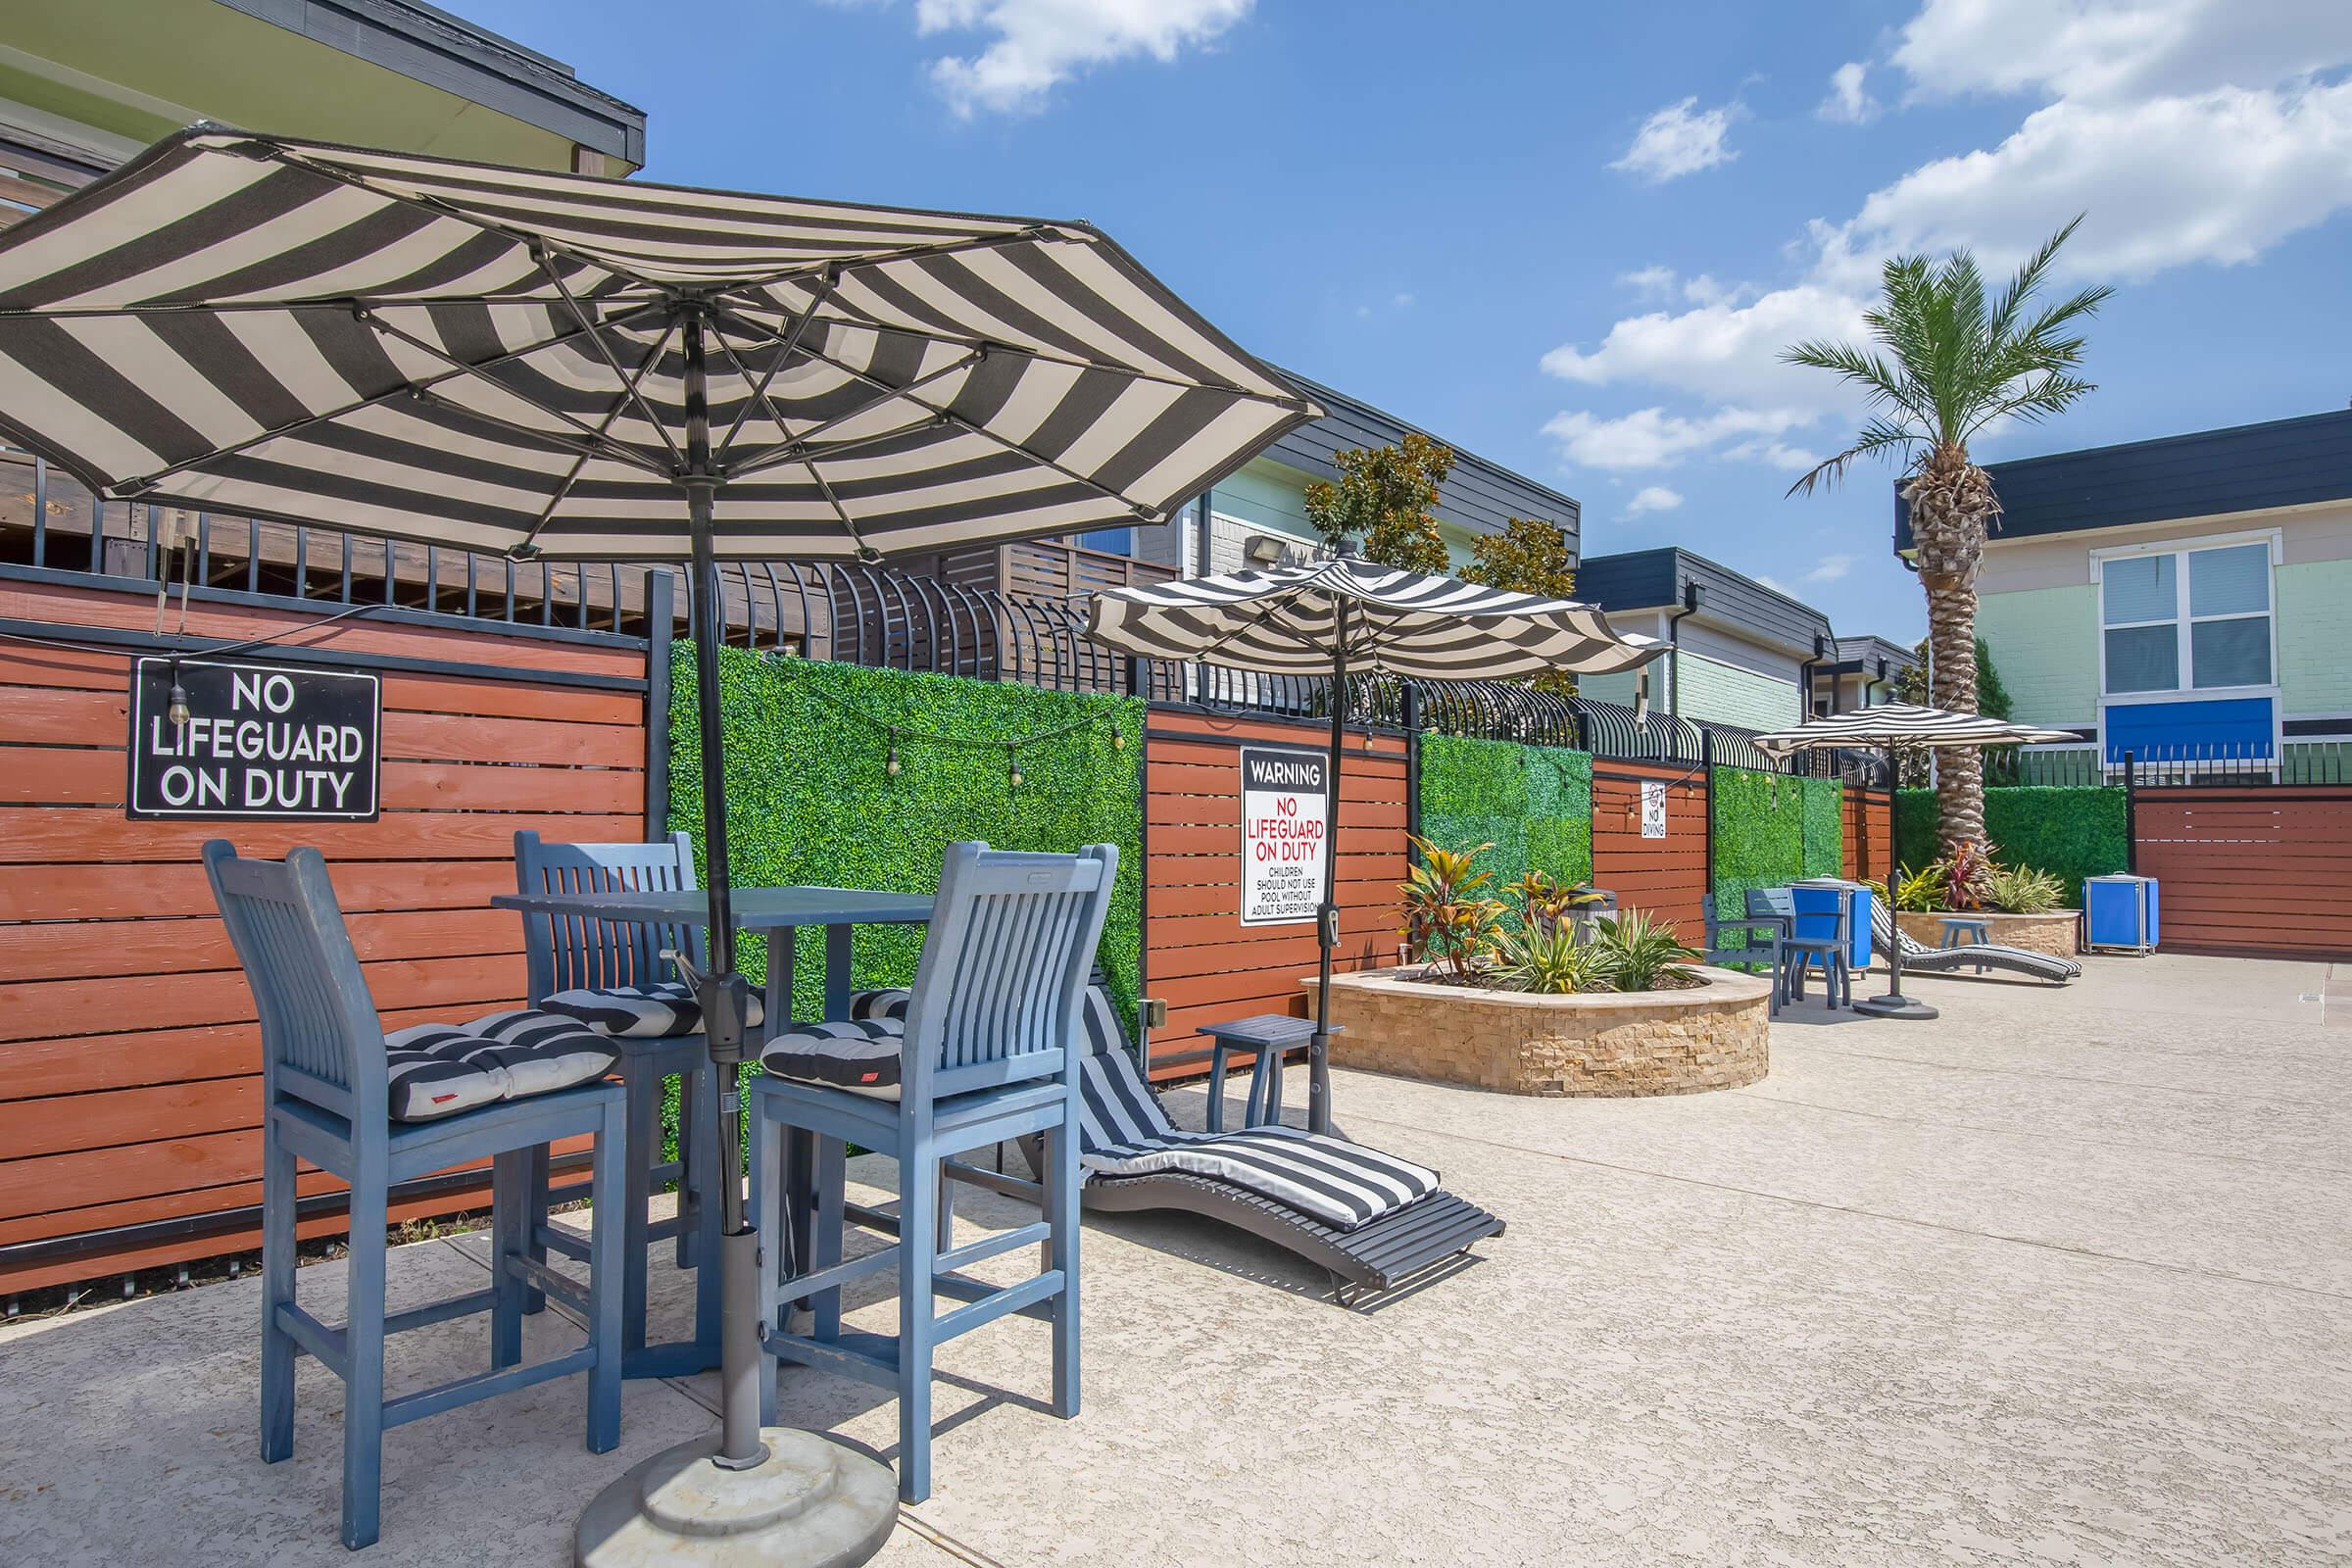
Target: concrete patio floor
{"x": 2063, "y": 1278}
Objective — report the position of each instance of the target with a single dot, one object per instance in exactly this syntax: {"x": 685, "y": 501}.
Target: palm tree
{"x": 1948, "y": 363}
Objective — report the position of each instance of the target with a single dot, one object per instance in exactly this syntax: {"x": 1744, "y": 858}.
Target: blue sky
{"x": 1571, "y": 238}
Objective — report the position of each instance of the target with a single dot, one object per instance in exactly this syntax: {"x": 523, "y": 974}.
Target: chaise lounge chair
{"x": 1919, "y": 958}
{"x": 1372, "y": 1221}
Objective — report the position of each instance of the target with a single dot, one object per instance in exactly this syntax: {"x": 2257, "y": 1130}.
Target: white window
{"x": 2196, "y": 619}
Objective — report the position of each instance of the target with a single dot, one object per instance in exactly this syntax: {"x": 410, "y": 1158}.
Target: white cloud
{"x": 1652, "y": 438}
{"x": 1035, "y": 45}
{"x": 1849, "y": 103}
{"x": 1722, "y": 351}
{"x": 1828, "y": 569}
{"x": 1680, "y": 139}
{"x": 1652, "y": 497}
{"x": 1651, "y": 283}
{"x": 1778, "y": 454}
{"x": 1778, "y": 587}
{"x": 2113, "y": 50}
{"x": 1401, "y": 301}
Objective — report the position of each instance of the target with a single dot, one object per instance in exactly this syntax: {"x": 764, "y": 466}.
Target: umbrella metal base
{"x": 1893, "y": 1004}
{"x": 811, "y": 1503}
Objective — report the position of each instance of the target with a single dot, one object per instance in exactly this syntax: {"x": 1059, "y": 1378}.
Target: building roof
{"x": 1861, "y": 654}
{"x": 2246, "y": 467}
{"x": 1478, "y": 496}
{"x": 1653, "y": 580}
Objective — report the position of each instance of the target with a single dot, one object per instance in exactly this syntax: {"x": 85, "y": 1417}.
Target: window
{"x": 2186, "y": 621}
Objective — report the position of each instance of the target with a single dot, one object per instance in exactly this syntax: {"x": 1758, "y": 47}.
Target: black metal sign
{"x": 287, "y": 743}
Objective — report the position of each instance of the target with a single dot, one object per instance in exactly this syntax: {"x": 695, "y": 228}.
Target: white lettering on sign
{"x": 257, "y": 740}
{"x": 1653, "y": 808}
{"x": 1286, "y": 833}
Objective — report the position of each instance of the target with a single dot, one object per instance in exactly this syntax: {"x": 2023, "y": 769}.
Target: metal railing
{"x": 2321, "y": 761}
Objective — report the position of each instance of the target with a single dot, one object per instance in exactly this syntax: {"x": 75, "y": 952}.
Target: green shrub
{"x": 1772, "y": 830}
{"x": 2071, "y": 831}
{"x": 810, "y": 799}
{"x": 1534, "y": 803}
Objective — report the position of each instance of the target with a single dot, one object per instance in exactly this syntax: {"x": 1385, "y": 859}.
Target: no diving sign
{"x": 287, "y": 743}
{"x": 1286, "y": 832}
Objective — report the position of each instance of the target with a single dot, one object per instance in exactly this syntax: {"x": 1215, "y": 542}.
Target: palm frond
{"x": 1878, "y": 435}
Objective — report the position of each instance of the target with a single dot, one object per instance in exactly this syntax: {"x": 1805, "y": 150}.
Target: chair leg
{"x": 701, "y": 1138}
{"x": 690, "y": 1173}
{"x": 509, "y": 1213}
{"x": 642, "y": 1100}
{"x": 947, "y": 1209}
{"x": 534, "y": 1299}
{"x": 277, "y": 1290}
{"x": 363, "y": 1341}
{"x": 775, "y": 1247}
{"x": 1062, "y": 1213}
{"x": 607, "y": 1257}
{"x": 917, "y": 1231}
{"x": 828, "y": 1192}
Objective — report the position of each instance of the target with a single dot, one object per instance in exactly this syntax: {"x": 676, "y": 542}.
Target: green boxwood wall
{"x": 1533, "y": 803}
{"x": 2072, "y": 831}
{"x": 1771, "y": 830}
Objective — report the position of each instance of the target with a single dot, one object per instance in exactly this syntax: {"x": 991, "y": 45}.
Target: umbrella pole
{"x": 770, "y": 1496}
{"x": 1893, "y": 1004}
{"x": 1327, "y": 916}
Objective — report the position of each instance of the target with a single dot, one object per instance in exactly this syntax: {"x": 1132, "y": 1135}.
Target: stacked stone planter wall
{"x": 1713, "y": 1036}
{"x": 2055, "y": 932}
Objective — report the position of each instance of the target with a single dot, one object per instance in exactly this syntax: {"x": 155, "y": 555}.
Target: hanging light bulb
{"x": 1012, "y": 759}
{"x": 1118, "y": 739}
{"x": 177, "y": 711}
{"x": 890, "y": 763}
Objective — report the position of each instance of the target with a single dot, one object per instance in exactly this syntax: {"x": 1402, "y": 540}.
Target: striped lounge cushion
{"x": 638, "y": 1012}
{"x": 861, "y": 1053}
{"x": 1124, "y": 1132}
{"x": 435, "y": 1069}
{"x": 1098, "y": 1016}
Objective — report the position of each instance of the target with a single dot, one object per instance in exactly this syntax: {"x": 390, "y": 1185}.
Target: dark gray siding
{"x": 1479, "y": 496}
{"x": 1653, "y": 580}
{"x": 2284, "y": 463}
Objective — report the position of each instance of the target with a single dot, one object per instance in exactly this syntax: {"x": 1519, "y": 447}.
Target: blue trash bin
{"x": 1817, "y": 902}
{"x": 2121, "y": 914}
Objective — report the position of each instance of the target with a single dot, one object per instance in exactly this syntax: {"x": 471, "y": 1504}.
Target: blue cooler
{"x": 1817, "y": 903}
{"x": 2120, "y": 914}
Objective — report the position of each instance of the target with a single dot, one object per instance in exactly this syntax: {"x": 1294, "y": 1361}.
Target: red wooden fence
{"x": 1663, "y": 877}
{"x": 2251, "y": 868}
{"x": 1868, "y": 827}
{"x": 1198, "y": 958}
{"x": 129, "y": 1068}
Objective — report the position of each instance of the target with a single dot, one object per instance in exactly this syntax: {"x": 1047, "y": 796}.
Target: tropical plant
{"x": 1544, "y": 901}
{"x": 1549, "y": 961}
{"x": 1382, "y": 503}
{"x": 1637, "y": 953}
{"x": 1923, "y": 889}
{"x": 2021, "y": 890}
{"x": 1948, "y": 361}
{"x": 1445, "y": 916}
{"x": 1530, "y": 557}
{"x": 1966, "y": 870}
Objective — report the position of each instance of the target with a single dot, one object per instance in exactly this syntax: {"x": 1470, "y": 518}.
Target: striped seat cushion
{"x": 638, "y": 1012}
{"x": 1097, "y": 1014}
{"x": 435, "y": 1069}
{"x": 886, "y": 1004}
{"x": 1124, "y": 1132}
{"x": 861, "y": 1053}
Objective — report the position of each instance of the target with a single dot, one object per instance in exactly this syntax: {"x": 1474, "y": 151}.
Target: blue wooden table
{"x": 778, "y": 915}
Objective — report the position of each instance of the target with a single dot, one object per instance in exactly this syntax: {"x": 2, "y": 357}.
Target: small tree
{"x": 1992, "y": 698}
{"x": 1530, "y": 557}
{"x": 1382, "y": 502}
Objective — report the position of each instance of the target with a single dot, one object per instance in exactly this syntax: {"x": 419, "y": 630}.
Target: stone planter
{"x": 1712, "y": 1035}
{"x": 2054, "y": 933}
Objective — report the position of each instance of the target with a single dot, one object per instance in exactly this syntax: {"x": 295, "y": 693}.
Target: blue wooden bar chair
{"x": 989, "y": 1051}
{"x": 1757, "y": 938}
{"x": 613, "y": 978}
{"x": 378, "y": 1109}
{"x": 1798, "y": 955}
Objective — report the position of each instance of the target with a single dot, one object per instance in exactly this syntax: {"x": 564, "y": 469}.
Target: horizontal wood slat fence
{"x": 2253, "y": 868}
{"x": 130, "y": 1065}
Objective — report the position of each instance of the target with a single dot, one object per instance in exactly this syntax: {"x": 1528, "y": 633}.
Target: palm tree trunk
{"x": 1952, "y": 507}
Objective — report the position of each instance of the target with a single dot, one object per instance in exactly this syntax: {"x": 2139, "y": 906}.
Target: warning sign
{"x": 258, "y": 740}
{"x": 1286, "y": 832}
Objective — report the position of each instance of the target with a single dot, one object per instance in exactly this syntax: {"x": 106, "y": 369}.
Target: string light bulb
{"x": 890, "y": 763}
{"x": 1012, "y": 759}
{"x": 177, "y": 711}
{"x": 1118, "y": 739}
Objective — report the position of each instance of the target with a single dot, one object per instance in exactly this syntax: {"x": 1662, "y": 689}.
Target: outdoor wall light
{"x": 1263, "y": 549}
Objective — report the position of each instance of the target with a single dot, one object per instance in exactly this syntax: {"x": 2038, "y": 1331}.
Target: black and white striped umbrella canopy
{"x": 1905, "y": 724}
{"x": 1294, "y": 619}
{"x": 463, "y": 354}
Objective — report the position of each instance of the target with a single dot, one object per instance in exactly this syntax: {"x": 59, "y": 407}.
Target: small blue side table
{"x": 1269, "y": 1035}
{"x": 1977, "y": 932}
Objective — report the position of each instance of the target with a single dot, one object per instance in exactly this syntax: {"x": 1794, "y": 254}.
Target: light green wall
{"x": 1724, "y": 694}
{"x": 1272, "y": 495}
{"x": 2315, "y": 637}
{"x": 1619, "y": 689}
{"x": 2045, "y": 643}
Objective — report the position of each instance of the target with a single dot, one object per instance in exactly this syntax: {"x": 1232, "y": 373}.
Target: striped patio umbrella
{"x": 1889, "y": 726}
{"x": 1342, "y": 614}
{"x": 556, "y": 366}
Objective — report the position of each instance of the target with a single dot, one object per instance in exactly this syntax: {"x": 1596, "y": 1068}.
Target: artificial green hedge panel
{"x": 2071, "y": 831}
{"x": 810, "y": 799}
{"x": 1533, "y": 803}
{"x": 1772, "y": 830}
